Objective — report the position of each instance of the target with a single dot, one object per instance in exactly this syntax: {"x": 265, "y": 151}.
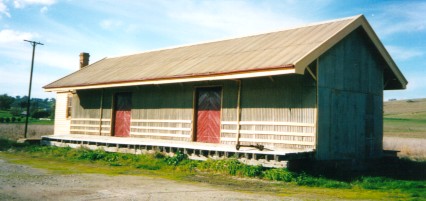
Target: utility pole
{"x": 33, "y": 43}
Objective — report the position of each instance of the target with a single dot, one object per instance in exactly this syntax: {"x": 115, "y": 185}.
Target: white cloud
{"x": 44, "y": 10}
{"x": 12, "y": 45}
{"x": 58, "y": 60}
{"x": 400, "y": 53}
{"x": 403, "y": 17}
{"x": 110, "y": 24}
{"x": 23, "y": 3}
{"x": 231, "y": 17}
{"x": 3, "y": 9}
{"x": 10, "y": 36}
{"x": 193, "y": 21}
{"x": 44, "y": 56}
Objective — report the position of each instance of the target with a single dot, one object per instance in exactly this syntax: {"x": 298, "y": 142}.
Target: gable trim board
{"x": 275, "y": 53}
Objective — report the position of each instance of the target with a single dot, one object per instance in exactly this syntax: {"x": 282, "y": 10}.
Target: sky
{"x": 108, "y": 28}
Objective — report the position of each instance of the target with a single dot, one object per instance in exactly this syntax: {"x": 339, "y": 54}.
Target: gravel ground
{"x": 20, "y": 182}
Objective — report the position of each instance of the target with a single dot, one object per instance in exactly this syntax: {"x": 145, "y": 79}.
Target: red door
{"x": 122, "y": 114}
{"x": 208, "y": 114}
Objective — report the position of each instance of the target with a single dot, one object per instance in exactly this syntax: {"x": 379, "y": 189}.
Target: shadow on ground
{"x": 390, "y": 167}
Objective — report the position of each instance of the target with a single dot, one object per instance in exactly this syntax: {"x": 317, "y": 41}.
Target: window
{"x": 69, "y": 105}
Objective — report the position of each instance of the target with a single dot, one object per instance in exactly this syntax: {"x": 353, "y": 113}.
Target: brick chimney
{"x": 84, "y": 59}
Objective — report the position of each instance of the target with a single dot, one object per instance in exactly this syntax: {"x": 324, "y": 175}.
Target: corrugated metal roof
{"x": 287, "y": 49}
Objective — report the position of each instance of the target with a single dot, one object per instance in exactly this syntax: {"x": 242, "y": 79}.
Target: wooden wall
{"x": 62, "y": 123}
{"x": 350, "y": 100}
{"x": 88, "y": 117}
{"x": 162, "y": 112}
{"x": 278, "y": 112}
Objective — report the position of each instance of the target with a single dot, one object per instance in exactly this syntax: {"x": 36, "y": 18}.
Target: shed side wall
{"x": 350, "y": 100}
{"x": 277, "y": 112}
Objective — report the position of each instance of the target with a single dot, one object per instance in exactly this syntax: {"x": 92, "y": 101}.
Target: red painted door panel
{"x": 208, "y": 115}
{"x": 123, "y": 106}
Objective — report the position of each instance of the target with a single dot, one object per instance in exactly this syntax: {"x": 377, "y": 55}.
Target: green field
{"x": 405, "y": 118}
{"x": 4, "y": 113}
{"x": 7, "y": 114}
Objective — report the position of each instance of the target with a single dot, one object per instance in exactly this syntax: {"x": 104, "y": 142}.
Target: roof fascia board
{"x": 316, "y": 52}
{"x": 305, "y": 60}
{"x": 385, "y": 54}
{"x": 180, "y": 80}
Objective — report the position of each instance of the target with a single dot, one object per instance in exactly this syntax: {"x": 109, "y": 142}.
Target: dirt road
{"x": 19, "y": 182}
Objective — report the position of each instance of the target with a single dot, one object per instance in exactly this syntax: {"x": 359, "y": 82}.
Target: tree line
{"x": 17, "y": 107}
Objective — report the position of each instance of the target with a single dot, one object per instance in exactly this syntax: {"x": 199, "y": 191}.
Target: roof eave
{"x": 287, "y": 69}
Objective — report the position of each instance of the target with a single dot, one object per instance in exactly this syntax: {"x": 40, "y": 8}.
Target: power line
{"x": 34, "y": 44}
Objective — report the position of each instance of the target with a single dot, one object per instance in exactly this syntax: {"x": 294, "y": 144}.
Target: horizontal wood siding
{"x": 277, "y": 112}
{"x": 161, "y": 129}
{"x": 350, "y": 100}
{"x": 90, "y": 126}
{"x": 62, "y": 123}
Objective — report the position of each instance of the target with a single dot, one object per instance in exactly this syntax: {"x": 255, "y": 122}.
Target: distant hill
{"x": 405, "y": 118}
{"x": 405, "y": 106}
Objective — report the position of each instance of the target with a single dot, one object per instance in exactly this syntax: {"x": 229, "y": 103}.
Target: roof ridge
{"x": 298, "y": 47}
{"x": 244, "y": 36}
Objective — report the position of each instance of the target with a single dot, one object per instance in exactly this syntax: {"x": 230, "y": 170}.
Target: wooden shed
{"x": 316, "y": 88}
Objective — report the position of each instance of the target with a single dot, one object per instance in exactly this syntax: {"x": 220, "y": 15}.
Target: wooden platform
{"x": 195, "y": 150}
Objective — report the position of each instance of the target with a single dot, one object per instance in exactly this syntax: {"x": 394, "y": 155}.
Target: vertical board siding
{"x": 86, "y": 104}
{"x": 279, "y": 99}
{"x": 162, "y": 112}
{"x": 86, "y": 109}
{"x": 62, "y": 124}
{"x": 167, "y": 111}
{"x": 350, "y": 100}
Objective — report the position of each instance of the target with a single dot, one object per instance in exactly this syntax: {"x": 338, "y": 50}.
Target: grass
{"x": 7, "y": 114}
{"x": 4, "y": 113}
{"x": 406, "y": 126}
{"x": 409, "y": 183}
{"x": 405, "y": 118}
{"x": 59, "y": 166}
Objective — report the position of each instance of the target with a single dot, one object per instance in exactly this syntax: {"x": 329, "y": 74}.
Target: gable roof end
{"x": 395, "y": 79}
